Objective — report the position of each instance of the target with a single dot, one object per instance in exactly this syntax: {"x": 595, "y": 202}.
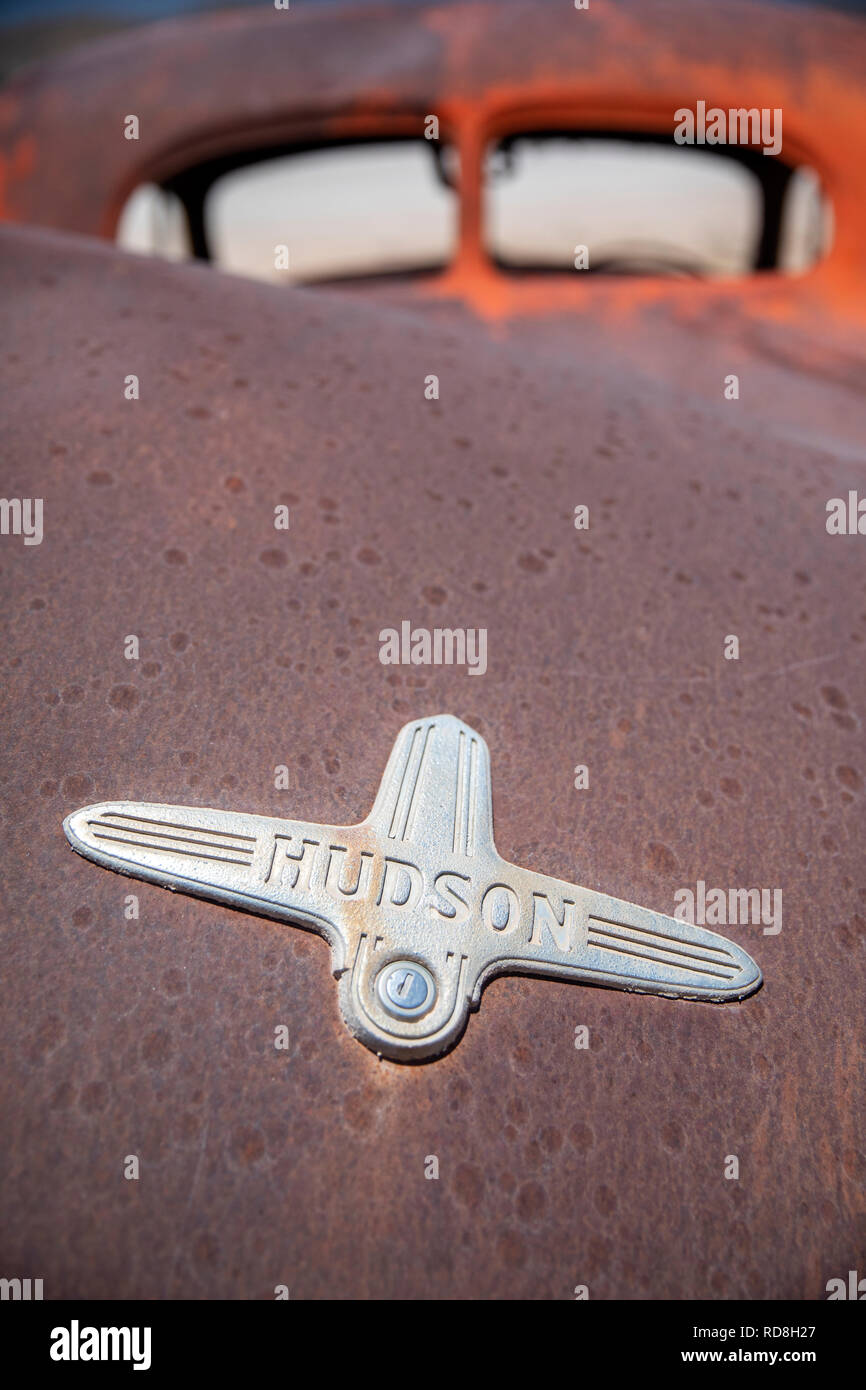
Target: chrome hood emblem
{"x": 419, "y": 909}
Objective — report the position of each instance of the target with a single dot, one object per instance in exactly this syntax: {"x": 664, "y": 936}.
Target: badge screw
{"x": 406, "y": 989}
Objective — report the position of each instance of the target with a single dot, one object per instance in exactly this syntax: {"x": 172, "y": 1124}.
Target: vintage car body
{"x": 153, "y": 1036}
{"x": 485, "y": 69}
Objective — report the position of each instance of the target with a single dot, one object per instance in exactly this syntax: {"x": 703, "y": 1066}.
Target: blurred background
{"x": 644, "y": 206}
{"x": 32, "y": 29}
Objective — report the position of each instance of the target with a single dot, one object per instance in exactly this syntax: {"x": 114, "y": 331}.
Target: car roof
{"x": 206, "y": 85}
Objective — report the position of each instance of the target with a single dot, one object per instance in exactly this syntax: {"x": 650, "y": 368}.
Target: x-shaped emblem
{"x": 419, "y": 909}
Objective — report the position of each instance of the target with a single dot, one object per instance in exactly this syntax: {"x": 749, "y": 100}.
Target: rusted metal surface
{"x": 210, "y": 86}
{"x": 155, "y": 1037}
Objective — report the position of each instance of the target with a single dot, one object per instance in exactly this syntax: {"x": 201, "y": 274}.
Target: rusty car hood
{"x": 155, "y": 1036}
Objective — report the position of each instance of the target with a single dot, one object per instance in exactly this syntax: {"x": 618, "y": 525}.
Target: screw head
{"x": 406, "y": 989}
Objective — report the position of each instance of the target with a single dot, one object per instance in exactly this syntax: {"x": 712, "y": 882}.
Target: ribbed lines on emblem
{"x": 409, "y": 790}
{"x": 466, "y": 796}
{"x": 640, "y": 942}
{"x": 169, "y": 837}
